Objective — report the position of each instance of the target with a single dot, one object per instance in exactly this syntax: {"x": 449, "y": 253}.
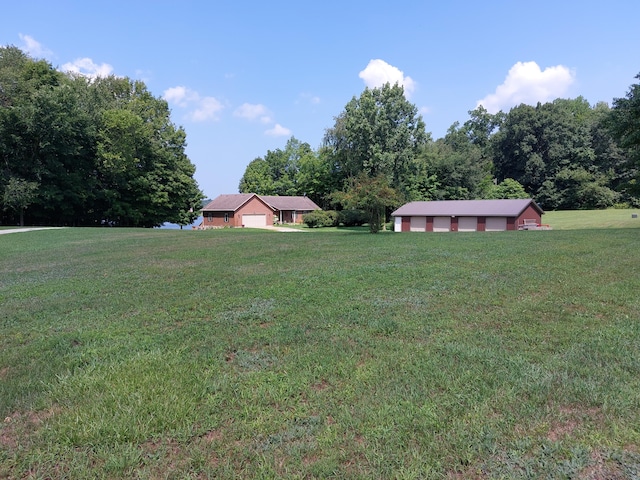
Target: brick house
{"x": 252, "y": 210}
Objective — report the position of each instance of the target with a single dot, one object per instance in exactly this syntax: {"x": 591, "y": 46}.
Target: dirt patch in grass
{"x": 602, "y": 468}
{"x": 321, "y": 385}
{"x": 212, "y": 436}
{"x": 572, "y": 417}
{"x": 19, "y": 426}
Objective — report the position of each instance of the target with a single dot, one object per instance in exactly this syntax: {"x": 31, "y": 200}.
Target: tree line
{"x": 565, "y": 154}
{"x": 80, "y": 151}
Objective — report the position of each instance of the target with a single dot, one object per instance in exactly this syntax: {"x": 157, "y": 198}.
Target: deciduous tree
{"x": 18, "y": 195}
{"x": 377, "y": 134}
{"x": 371, "y": 194}
{"x": 624, "y": 124}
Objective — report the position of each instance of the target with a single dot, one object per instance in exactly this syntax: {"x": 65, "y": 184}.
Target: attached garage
{"x": 468, "y": 216}
{"x": 254, "y": 221}
{"x": 237, "y": 210}
{"x": 496, "y": 224}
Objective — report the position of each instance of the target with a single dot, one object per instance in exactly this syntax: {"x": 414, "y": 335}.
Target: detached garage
{"x": 468, "y": 216}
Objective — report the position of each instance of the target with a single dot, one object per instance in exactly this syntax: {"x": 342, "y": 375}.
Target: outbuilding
{"x": 469, "y": 216}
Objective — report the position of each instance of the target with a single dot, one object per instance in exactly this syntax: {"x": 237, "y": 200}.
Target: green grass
{"x": 587, "y": 219}
{"x": 253, "y": 354}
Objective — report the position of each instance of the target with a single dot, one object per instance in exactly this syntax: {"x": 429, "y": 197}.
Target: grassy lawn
{"x": 587, "y": 219}
{"x": 253, "y": 354}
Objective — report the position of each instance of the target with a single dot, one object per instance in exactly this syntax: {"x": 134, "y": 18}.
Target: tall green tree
{"x": 508, "y": 188}
{"x": 453, "y": 166}
{"x": 294, "y": 170}
{"x": 315, "y": 177}
{"x": 624, "y": 124}
{"x": 378, "y": 134}
{"x": 550, "y": 150}
{"x": 103, "y": 150}
{"x": 482, "y": 125}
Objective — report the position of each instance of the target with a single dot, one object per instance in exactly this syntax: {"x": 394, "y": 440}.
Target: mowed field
{"x": 241, "y": 353}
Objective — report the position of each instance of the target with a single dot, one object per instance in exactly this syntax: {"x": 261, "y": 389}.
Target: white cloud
{"x": 202, "y": 108}
{"x": 278, "y": 131}
{"x": 33, "y": 47}
{"x": 207, "y": 110}
{"x": 181, "y": 96}
{"x": 378, "y": 72}
{"x": 253, "y": 112}
{"x": 86, "y": 67}
{"x": 526, "y": 83}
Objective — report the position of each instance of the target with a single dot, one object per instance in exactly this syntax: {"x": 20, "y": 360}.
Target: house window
{"x": 226, "y": 218}
{"x": 209, "y": 216}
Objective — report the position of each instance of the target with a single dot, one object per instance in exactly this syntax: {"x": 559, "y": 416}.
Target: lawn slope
{"x": 254, "y": 354}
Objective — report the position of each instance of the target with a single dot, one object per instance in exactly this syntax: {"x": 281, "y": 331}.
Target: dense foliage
{"x": 565, "y": 154}
{"x": 77, "y": 151}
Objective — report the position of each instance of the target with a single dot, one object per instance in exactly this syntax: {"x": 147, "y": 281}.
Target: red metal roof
{"x": 466, "y": 208}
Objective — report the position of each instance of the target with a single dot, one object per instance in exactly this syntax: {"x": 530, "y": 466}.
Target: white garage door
{"x": 441, "y": 224}
{"x": 496, "y": 224}
{"x": 254, "y": 220}
{"x": 467, "y": 224}
{"x": 418, "y": 224}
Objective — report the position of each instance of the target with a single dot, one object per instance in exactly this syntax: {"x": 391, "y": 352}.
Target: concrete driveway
{"x": 27, "y": 229}
{"x": 281, "y": 229}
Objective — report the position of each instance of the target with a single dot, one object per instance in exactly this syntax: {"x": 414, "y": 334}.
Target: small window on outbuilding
{"x": 226, "y": 218}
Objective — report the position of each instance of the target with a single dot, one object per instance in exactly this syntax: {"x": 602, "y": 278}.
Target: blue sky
{"x": 243, "y": 77}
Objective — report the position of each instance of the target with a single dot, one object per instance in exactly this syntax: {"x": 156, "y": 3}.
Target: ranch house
{"x": 251, "y": 210}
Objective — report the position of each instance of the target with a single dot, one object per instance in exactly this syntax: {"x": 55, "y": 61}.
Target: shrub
{"x": 352, "y": 218}
{"x": 320, "y": 218}
{"x": 621, "y": 206}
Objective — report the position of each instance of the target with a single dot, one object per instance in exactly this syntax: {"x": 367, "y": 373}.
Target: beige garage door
{"x": 496, "y": 224}
{"x": 441, "y": 224}
{"x": 418, "y": 224}
{"x": 254, "y": 220}
{"x": 467, "y": 224}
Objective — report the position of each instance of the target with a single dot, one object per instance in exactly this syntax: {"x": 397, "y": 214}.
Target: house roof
{"x": 485, "y": 208}
{"x": 230, "y": 202}
{"x": 233, "y": 201}
{"x": 290, "y": 203}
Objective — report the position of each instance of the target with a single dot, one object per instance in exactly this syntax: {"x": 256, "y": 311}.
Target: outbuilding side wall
{"x": 529, "y": 213}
